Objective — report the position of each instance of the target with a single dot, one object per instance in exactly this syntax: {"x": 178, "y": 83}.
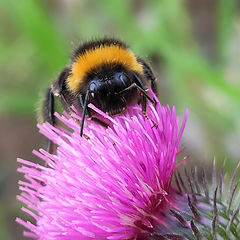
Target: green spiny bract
{"x": 202, "y": 210}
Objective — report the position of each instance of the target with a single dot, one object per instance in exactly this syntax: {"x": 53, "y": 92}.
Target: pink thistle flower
{"x": 113, "y": 184}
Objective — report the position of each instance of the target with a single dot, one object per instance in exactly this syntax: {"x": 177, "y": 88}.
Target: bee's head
{"x": 109, "y": 85}
{"x": 107, "y": 89}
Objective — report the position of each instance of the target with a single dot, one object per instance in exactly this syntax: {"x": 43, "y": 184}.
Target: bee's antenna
{"x": 143, "y": 88}
{"x": 143, "y": 91}
{"x": 84, "y": 110}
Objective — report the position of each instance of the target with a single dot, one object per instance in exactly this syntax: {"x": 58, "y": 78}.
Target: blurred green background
{"x": 193, "y": 47}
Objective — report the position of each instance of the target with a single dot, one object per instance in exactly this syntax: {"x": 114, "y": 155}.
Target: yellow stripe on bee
{"x": 94, "y": 58}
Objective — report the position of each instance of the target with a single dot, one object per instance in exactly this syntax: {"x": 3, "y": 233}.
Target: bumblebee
{"x": 105, "y": 73}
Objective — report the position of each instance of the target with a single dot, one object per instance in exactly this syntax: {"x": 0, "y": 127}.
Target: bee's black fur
{"x": 96, "y": 44}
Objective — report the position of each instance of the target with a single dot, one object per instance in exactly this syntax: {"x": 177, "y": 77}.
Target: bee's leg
{"x": 149, "y": 74}
{"x": 143, "y": 88}
{"x": 55, "y": 89}
{"x": 48, "y": 114}
{"x": 144, "y": 106}
{"x": 64, "y": 103}
{"x": 144, "y": 110}
{"x": 143, "y": 91}
{"x": 144, "y": 99}
{"x": 48, "y": 107}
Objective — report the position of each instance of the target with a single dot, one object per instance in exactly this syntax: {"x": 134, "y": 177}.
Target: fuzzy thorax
{"x": 94, "y": 58}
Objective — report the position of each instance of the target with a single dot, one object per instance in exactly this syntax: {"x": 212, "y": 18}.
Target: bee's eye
{"x": 120, "y": 80}
{"x": 92, "y": 87}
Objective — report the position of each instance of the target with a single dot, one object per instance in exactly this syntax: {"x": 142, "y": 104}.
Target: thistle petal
{"x": 113, "y": 184}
